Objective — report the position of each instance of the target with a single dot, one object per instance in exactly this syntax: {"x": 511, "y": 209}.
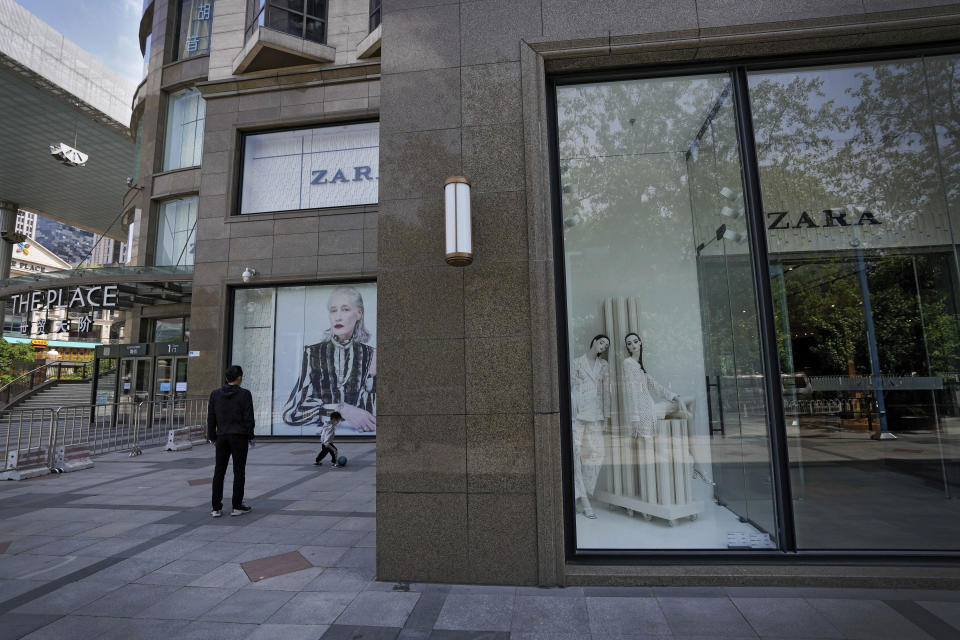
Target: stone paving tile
{"x": 785, "y": 617}
{"x": 127, "y": 601}
{"x": 704, "y": 616}
{"x": 187, "y": 603}
{"x": 248, "y": 606}
{"x": 146, "y": 630}
{"x": 323, "y": 556}
{"x": 108, "y": 548}
{"x": 353, "y": 632}
{"x": 626, "y": 616}
{"x": 426, "y": 612}
{"x": 216, "y": 631}
{"x": 67, "y": 598}
{"x": 312, "y": 608}
{"x": 549, "y": 614}
{"x": 229, "y": 575}
{"x": 379, "y": 609}
{"x": 866, "y": 619}
{"x": 337, "y": 539}
{"x": 477, "y": 611}
{"x": 341, "y": 579}
{"x": 949, "y": 612}
{"x": 13, "y": 588}
{"x": 129, "y": 570}
{"x": 358, "y": 557}
{"x": 17, "y": 625}
{"x": 222, "y": 551}
{"x": 75, "y": 628}
{"x": 264, "y": 550}
{"x": 288, "y": 632}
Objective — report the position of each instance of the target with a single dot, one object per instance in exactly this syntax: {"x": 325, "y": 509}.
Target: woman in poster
{"x": 339, "y": 372}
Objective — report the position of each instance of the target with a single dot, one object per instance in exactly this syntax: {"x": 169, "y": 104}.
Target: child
{"x": 326, "y": 439}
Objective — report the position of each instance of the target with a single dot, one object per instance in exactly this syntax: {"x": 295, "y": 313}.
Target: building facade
{"x": 710, "y": 326}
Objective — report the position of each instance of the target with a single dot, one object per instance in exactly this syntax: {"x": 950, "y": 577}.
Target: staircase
{"x": 59, "y": 395}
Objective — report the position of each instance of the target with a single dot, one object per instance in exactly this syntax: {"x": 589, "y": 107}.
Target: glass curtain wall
{"x": 670, "y": 446}
{"x": 860, "y": 174}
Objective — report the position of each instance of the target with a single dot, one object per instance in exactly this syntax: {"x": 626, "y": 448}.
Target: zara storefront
{"x": 720, "y": 225}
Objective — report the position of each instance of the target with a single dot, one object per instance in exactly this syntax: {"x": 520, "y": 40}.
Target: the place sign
{"x": 828, "y": 218}
{"x": 66, "y": 298}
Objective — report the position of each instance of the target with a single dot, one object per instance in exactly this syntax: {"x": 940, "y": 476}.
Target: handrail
{"x": 34, "y": 378}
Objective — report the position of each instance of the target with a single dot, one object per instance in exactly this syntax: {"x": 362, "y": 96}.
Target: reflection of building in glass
{"x": 70, "y": 243}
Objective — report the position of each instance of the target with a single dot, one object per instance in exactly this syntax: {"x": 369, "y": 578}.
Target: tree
{"x": 10, "y": 355}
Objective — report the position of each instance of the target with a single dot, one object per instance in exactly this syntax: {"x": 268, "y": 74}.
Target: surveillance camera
{"x": 248, "y": 273}
{"x": 130, "y": 182}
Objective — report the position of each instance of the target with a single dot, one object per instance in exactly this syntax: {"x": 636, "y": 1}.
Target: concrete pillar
{"x": 8, "y": 223}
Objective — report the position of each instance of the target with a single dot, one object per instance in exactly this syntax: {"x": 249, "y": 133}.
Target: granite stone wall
{"x": 469, "y": 456}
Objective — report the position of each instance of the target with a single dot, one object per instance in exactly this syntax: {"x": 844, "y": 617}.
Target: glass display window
{"x": 660, "y": 306}
{"x": 676, "y": 436}
{"x": 317, "y": 348}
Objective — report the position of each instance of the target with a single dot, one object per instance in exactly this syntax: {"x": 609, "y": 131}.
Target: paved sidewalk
{"x": 128, "y": 550}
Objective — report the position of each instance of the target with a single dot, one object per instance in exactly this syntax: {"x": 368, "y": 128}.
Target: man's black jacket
{"x": 230, "y": 412}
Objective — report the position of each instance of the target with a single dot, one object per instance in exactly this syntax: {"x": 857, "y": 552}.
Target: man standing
{"x": 230, "y": 428}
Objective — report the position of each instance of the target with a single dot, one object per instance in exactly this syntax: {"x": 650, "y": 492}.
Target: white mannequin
{"x": 637, "y": 387}
{"x": 590, "y": 384}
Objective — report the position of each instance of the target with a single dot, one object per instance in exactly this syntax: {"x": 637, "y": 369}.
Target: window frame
{"x": 237, "y": 207}
{"x": 787, "y": 550}
{"x": 256, "y": 17}
{"x": 376, "y": 14}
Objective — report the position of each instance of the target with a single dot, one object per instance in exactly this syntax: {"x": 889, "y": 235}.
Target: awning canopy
{"x": 135, "y": 285}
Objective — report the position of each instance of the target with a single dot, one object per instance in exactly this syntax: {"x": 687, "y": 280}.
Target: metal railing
{"x": 121, "y": 426}
{"x": 59, "y": 370}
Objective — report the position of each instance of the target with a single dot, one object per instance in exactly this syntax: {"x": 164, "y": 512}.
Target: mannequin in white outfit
{"x": 637, "y": 387}
{"x": 643, "y": 412}
{"x": 590, "y": 384}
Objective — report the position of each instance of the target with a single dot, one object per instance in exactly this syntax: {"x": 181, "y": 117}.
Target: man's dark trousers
{"x": 227, "y": 446}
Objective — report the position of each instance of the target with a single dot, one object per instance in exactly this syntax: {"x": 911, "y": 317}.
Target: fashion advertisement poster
{"x": 319, "y": 343}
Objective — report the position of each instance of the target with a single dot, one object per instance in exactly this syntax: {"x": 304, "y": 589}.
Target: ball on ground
{"x": 342, "y": 461}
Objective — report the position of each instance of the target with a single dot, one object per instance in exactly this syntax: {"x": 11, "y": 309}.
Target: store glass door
{"x": 860, "y": 177}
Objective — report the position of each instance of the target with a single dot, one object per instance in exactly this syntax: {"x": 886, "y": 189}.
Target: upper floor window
{"x": 333, "y": 166}
{"x": 176, "y": 232}
{"x": 194, "y": 24}
{"x": 375, "y": 14}
{"x": 305, "y": 19}
{"x": 186, "y": 111}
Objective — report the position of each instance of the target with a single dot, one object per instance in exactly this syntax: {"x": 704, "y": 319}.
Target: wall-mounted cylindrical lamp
{"x": 459, "y": 239}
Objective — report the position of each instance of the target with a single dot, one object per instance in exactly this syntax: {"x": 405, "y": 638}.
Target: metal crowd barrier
{"x": 121, "y": 426}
